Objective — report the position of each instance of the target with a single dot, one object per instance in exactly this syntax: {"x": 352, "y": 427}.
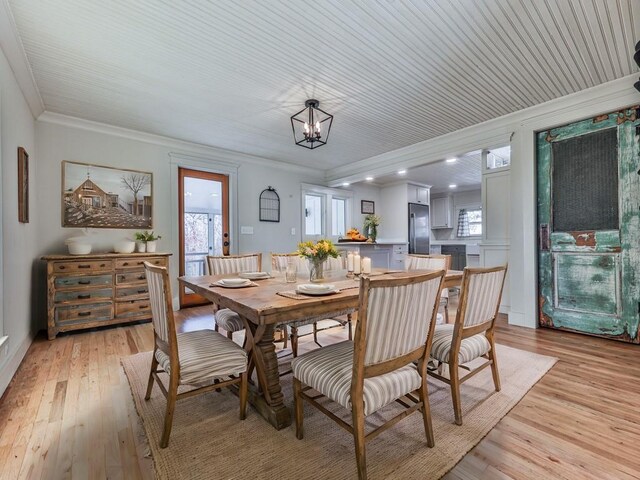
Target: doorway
{"x": 203, "y": 224}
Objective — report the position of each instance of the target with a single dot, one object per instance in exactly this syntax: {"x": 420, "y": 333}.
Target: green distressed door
{"x": 589, "y": 226}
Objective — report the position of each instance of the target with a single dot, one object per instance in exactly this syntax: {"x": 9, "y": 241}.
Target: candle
{"x": 350, "y": 261}
{"x": 356, "y": 263}
{"x": 366, "y": 265}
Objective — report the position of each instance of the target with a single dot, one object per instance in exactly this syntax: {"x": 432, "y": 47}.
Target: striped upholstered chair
{"x": 191, "y": 358}
{"x": 433, "y": 262}
{"x": 471, "y": 336}
{"x": 279, "y": 263}
{"x": 225, "y": 318}
{"x": 396, "y": 320}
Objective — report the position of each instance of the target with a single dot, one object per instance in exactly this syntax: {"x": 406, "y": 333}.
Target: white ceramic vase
{"x": 151, "y": 246}
{"x": 141, "y": 247}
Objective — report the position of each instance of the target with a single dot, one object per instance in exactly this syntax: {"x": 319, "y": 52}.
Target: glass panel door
{"x": 204, "y": 224}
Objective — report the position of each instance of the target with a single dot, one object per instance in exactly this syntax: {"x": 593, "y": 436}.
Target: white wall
{"x": 58, "y": 142}
{"x": 364, "y": 192}
{"x": 19, "y": 241}
{"x": 394, "y": 211}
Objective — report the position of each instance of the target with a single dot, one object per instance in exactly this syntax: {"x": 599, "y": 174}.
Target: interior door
{"x": 589, "y": 226}
{"x": 203, "y": 224}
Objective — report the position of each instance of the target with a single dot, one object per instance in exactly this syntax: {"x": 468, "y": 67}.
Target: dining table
{"x": 271, "y": 302}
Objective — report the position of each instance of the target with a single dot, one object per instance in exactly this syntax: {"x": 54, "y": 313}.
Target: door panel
{"x": 203, "y": 224}
{"x": 589, "y": 225}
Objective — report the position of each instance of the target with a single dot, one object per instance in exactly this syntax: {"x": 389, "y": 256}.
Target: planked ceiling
{"x": 394, "y": 73}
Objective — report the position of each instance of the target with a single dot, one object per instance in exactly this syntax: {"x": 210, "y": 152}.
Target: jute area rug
{"x": 208, "y": 441}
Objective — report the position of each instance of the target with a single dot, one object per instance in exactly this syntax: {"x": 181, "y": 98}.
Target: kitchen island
{"x": 383, "y": 254}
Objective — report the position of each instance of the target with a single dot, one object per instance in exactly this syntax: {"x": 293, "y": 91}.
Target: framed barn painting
{"x": 23, "y": 185}
{"x": 105, "y": 197}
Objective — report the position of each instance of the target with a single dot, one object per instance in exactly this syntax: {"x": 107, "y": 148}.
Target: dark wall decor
{"x": 367, "y": 206}
{"x": 269, "y": 205}
{"x": 106, "y": 197}
{"x": 23, "y": 185}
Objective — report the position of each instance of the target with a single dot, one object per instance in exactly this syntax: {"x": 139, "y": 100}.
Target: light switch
{"x": 246, "y": 230}
{"x": 293, "y": 231}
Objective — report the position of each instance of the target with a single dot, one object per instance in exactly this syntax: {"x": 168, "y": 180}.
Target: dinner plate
{"x": 315, "y": 289}
{"x": 234, "y": 282}
{"x": 254, "y": 275}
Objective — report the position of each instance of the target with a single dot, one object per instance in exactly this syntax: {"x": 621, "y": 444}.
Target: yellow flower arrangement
{"x": 317, "y": 251}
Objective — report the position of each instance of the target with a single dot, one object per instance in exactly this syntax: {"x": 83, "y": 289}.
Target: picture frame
{"x": 23, "y": 185}
{"x": 97, "y": 196}
{"x": 367, "y": 206}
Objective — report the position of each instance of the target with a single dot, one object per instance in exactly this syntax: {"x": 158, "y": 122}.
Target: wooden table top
{"x": 263, "y": 305}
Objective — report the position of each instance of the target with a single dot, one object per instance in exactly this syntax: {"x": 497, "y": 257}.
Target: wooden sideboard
{"x": 86, "y": 291}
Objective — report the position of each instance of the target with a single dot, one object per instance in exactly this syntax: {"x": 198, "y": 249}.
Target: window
{"x": 498, "y": 157}
{"x": 313, "y": 214}
{"x": 338, "y": 216}
{"x": 475, "y": 222}
{"x": 326, "y": 212}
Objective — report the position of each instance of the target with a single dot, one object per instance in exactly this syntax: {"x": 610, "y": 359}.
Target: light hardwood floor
{"x": 68, "y": 412}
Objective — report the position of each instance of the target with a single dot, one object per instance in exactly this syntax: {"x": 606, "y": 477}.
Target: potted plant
{"x": 147, "y": 241}
{"x": 141, "y": 242}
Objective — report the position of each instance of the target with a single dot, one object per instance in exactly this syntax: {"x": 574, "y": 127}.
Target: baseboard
{"x": 10, "y": 367}
{"x": 520, "y": 319}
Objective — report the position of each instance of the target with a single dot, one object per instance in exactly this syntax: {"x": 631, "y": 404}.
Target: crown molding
{"x": 14, "y": 51}
{"x": 618, "y": 93}
{"x": 178, "y": 147}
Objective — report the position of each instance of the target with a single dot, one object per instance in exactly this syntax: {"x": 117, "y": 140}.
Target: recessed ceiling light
{"x": 453, "y": 185}
{"x": 401, "y": 172}
{"x": 345, "y": 184}
{"x": 369, "y": 179}
{"x": 187, "y": 194}
{"x": 451, "y": 160}
{"x": 214, "y": 194}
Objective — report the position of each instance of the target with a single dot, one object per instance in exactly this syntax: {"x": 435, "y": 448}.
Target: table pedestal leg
{"x": 269, "y": 401}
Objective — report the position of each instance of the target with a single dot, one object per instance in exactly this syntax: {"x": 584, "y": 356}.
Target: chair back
{"x": 396, "y": 319}
{"x": 480, "y": 296}
{"x": 161, "y": 305}
{"x": 234, "y": 263}
{"x": 279, "y": 261}
{"x": 428, "y": 262}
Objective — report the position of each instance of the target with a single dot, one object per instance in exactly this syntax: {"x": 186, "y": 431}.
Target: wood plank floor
{"x": 68, "y": 413}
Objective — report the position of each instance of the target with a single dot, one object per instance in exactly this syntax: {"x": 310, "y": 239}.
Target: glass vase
{"x": 373, "y": 232}
{"x": 316, "y": 270}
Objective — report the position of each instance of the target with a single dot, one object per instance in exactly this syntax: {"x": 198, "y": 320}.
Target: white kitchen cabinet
{"x": 441, "y": 212}
{"x": 418, "y": 194}
{"x": 434, "y": 249}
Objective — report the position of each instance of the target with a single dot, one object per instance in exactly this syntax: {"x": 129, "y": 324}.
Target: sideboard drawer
{"x": 83, "y": 281}
{"x": 81, "y": 295}
{"x": 132, "y": 293}
{"x": 84, "y": 313}
{"x": 139, "y": 262}
{"x": 138, "y": 276}
{"x": 79, "y": 266}
{"x": 133, "y": 308}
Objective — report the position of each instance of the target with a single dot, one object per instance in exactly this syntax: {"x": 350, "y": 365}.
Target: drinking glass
{"x": 291, "y": 273}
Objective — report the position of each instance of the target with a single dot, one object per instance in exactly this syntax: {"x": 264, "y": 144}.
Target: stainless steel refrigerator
{"x": 419, "y": 228}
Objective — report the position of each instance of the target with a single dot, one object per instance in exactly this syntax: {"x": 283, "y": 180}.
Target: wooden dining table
{"x": 263, "y": 306}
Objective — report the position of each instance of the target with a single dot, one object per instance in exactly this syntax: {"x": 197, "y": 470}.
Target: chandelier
{"x": 311, "y": 125}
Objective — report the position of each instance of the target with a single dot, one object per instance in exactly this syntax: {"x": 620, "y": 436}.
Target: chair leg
{"x": 171, "y": 406}
{"x": 454, "y": 378}
{"x": 297, "y": 399}
{"x": 285, "y": 335}
{"x": 244, "y": 387}
{"x": 294, "y": 341}
{"x": 315, "y": 334}
{"x": 349, "y": 318}
{"x": 230, "y": 335}
{"x": 426, "y": 413}
{"x": 446, "y": 312}
{"x": 154, "y": 367}
{"x": 494, "y": 363}
{"x": 359, "y": 438}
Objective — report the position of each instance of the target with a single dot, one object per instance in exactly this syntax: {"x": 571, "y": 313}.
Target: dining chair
{"x": 229, "y": 320}
{"x": 396, "y": 320}
{"x": 471, "y": 336}
{"x": 190, "y": 358}
{"x": 433, "y": 262}
{"x": 279, "y": 263}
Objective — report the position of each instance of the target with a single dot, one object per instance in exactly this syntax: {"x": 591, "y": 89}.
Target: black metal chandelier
{"x": 311, "y": 125}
